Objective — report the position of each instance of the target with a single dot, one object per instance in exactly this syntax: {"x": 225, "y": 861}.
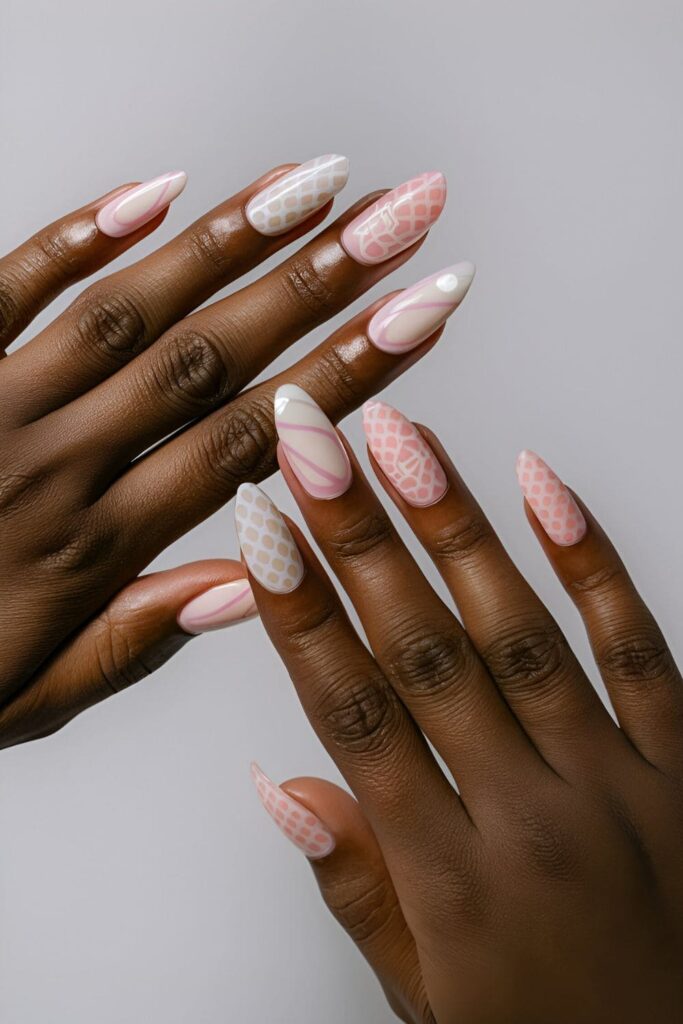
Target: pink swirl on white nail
{"x": 311, "y": 444}
{"x": 297, "y": 194}
{"x": 220, "y": 606}
{"x": 140, "y": 204}
{"x": 552, "y": 502}
{"x": 267, "y": 544}
{"x": 403, "y": 455}
{"x": 301, "y": 826}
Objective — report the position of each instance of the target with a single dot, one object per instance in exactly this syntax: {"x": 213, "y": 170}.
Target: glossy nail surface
{"x": 130, "y": 210}
{"x": 267, "y": 545}
{"x": 303, "y": 828}
{"x": 552, "y": 502}
{"x": 311, "y": 444}
{"x": 218, "y": 607}
{"x": 297, "y": 194}
{"x": 412, "y": 316}
{"x": 396, "y": 220}
{"x": 403, "y": 455}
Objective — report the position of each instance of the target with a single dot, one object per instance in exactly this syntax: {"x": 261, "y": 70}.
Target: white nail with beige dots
{"x": 268, "y": 547}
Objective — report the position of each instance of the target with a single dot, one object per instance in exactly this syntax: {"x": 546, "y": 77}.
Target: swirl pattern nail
{"x": 297, "y": 194}
{"x": 301, "y": 826}
{"x": 311, "y": 444}
{"x": 266, "y": 542}
{"x": 134, "y": 208}
{"x": 218, "y": 607}
{"x": 552, "y": 503}
{"x": 403, "y": 455}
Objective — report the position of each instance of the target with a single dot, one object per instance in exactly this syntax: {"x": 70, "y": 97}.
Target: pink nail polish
{"x": 311, "y": 444}
{"x": 417, "y": 312}
{"x": 552, "y": 502}
{"x": 396, "y": 220}
{"x": 218, "y": 607}
{"x": 130, "y": 210}
{"x": 303, "y": 828}
{"x": 403, "y": 455}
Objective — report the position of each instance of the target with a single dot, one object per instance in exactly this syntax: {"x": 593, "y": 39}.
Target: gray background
{"x": 139, "y": 880}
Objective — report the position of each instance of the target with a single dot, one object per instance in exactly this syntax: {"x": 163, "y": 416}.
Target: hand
{"x": 129, "y": 369}
{"x": 548, "y": 887}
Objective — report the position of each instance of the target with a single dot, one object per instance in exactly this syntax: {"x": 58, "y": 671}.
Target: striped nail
{"x": 551, "y": 502}
{"x": 218, "y": 607}
{"x": 301, "y": 826}
{"x": 267, "y": 545}
{"x": 297, "y": 194}
{"x": 403, "y": 455}
{"x": 311, "y": 444}
{"x": 132, "y": 209}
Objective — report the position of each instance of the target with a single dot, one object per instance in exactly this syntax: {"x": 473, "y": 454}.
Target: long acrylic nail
{"x": 311, "y": 444}
{"x": 130, "y": 210}
{"x": 267, "y": 545}
{"x": 552, "y": 502}
{"x": 417, "y": 312}
{"x": 396, "y": 220}
{"x": 403, "y": 455}
{"x": 218, "y": 607}
{"x": 300, "y": 825}
{"x": 298, "y": 194}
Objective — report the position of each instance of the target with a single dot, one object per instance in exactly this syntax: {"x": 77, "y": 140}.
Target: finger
{"x": 516, "y": 636}
{"x": 140, "y": 629}
{"x": 634, "y": 659}
{"x": 211, "y": 356}
{"x": 116, "y": 318}
{"x": 353, "y": 878}
{"x": 60, "y": 255}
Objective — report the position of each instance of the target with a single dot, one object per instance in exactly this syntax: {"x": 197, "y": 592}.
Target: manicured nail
{"x": 552, "y": 502}
{"x": 298, "y": 194}
{"x": 412, "y": 316}
{"x": 218, "y": 607}
{"x": 303, "y": 828}
{"x": 403, "y": 455}
{"x": 396, "y": 220}
{"x": 267, "y": 545}
{"x": 311, "y": 444}
{"x": 131, "y": 209}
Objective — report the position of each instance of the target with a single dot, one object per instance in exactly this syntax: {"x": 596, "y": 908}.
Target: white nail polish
{"x": 267, "y": 545}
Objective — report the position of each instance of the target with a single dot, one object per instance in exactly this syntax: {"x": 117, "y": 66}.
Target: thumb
{"x": 329, "y": 827}
{"x": 144, "y": 625}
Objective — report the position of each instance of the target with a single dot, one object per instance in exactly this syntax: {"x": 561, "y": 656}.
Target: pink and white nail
{"x": 297, "y": 194}
{"x": 551, "y": 502}
{"x": 311, "y": 444}
{"x": 409, "y": 318}
{"x": 403, "y": 455}
{"x": 397, "y": 220}
{"x": 218, "y": 607}
{"x": 303, "y": 828}
{"x": 130, "y": 210}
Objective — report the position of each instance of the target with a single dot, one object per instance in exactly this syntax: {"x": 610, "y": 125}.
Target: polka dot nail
{"x": 267, "y": 545}
{"x": 551, "y": 502}
{"x": 295, "y": 821}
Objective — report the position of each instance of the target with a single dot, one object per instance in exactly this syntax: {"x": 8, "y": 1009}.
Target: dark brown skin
{"x": 549, "y": 888}
{"x": 125, "y": 366}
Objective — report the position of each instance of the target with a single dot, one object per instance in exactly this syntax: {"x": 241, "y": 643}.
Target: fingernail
{"x": 396, "y": 220}
{"x": 298, "y": 194}
{"x": 404, "y": 455}
{"x": 416, "y": 313}
{"x": 302, "y": 827}
{"x": 311, "y": 444}
{"x": 220, "y": 606}
{"x": 267, "y": 545}
{"x": 552, "y": 502}
{"x": 140, "y": 204}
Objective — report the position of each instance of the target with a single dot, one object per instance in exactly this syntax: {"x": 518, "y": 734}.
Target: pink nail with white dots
{"x": 403, "y": 455}
{"x": 551, "y": 502}
{"x": 301, "y": 827}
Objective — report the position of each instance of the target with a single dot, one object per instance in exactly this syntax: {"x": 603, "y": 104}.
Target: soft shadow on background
{"x": 139, "y": 878}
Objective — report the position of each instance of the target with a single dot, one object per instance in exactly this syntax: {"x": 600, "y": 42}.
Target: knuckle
{"x": 208, "y": 242}
{"x": 641, "y": 659}
{"x": 361, "y": 715}
{"x": 89, "y": 539}
{"x": 336, "y": 378}
{"x": 111, "y": 324}
{"x": 306, "y": 286}
{"x": 428, "y": 660}
{"x": 460, "y": 540}
{"x": 192, "y": 371}
{"x": 119, "y": 663}
{"x": 364, "y": 906}
{"x": 598, "y": 581}
{"x": 528, "y": 658}
{"x": 240, "y": 444}
{"x": 548, "y": 846}
{"x": 54, "y": 246}
{"x": 361, "y": 536}
{"x": 305, "y": 631}
{"x": 13, "y": 314}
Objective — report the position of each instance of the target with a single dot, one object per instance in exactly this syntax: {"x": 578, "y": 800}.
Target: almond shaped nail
{"x": 132, "y": 209}
{"x": 409, "y": 318}
{"x": 301, "y": 826}
{"x": 397, "y": 220}
{"x": 218, "y": 607}
{"x": 552, "y": 503}
{"x": 311, "y": 444}
{"x": 297, "y": 194}
{"x": 267, "y": 545}
{"x": 404, "y": 455}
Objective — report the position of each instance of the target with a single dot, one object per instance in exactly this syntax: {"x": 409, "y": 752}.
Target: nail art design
{"x": 311, "y": 444}
{"x": 130, "y": 210}
{"x": 552, "y": 502}
{"x": 267, "y": 545}
{"x": 403, "y": 455}
{"x": 396, "y": 220}
{"x": 218, "y": 607}
{"x": 298, "y": 194}
{"x": 294, "y": 820}
{"x": 416, "y": 313}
